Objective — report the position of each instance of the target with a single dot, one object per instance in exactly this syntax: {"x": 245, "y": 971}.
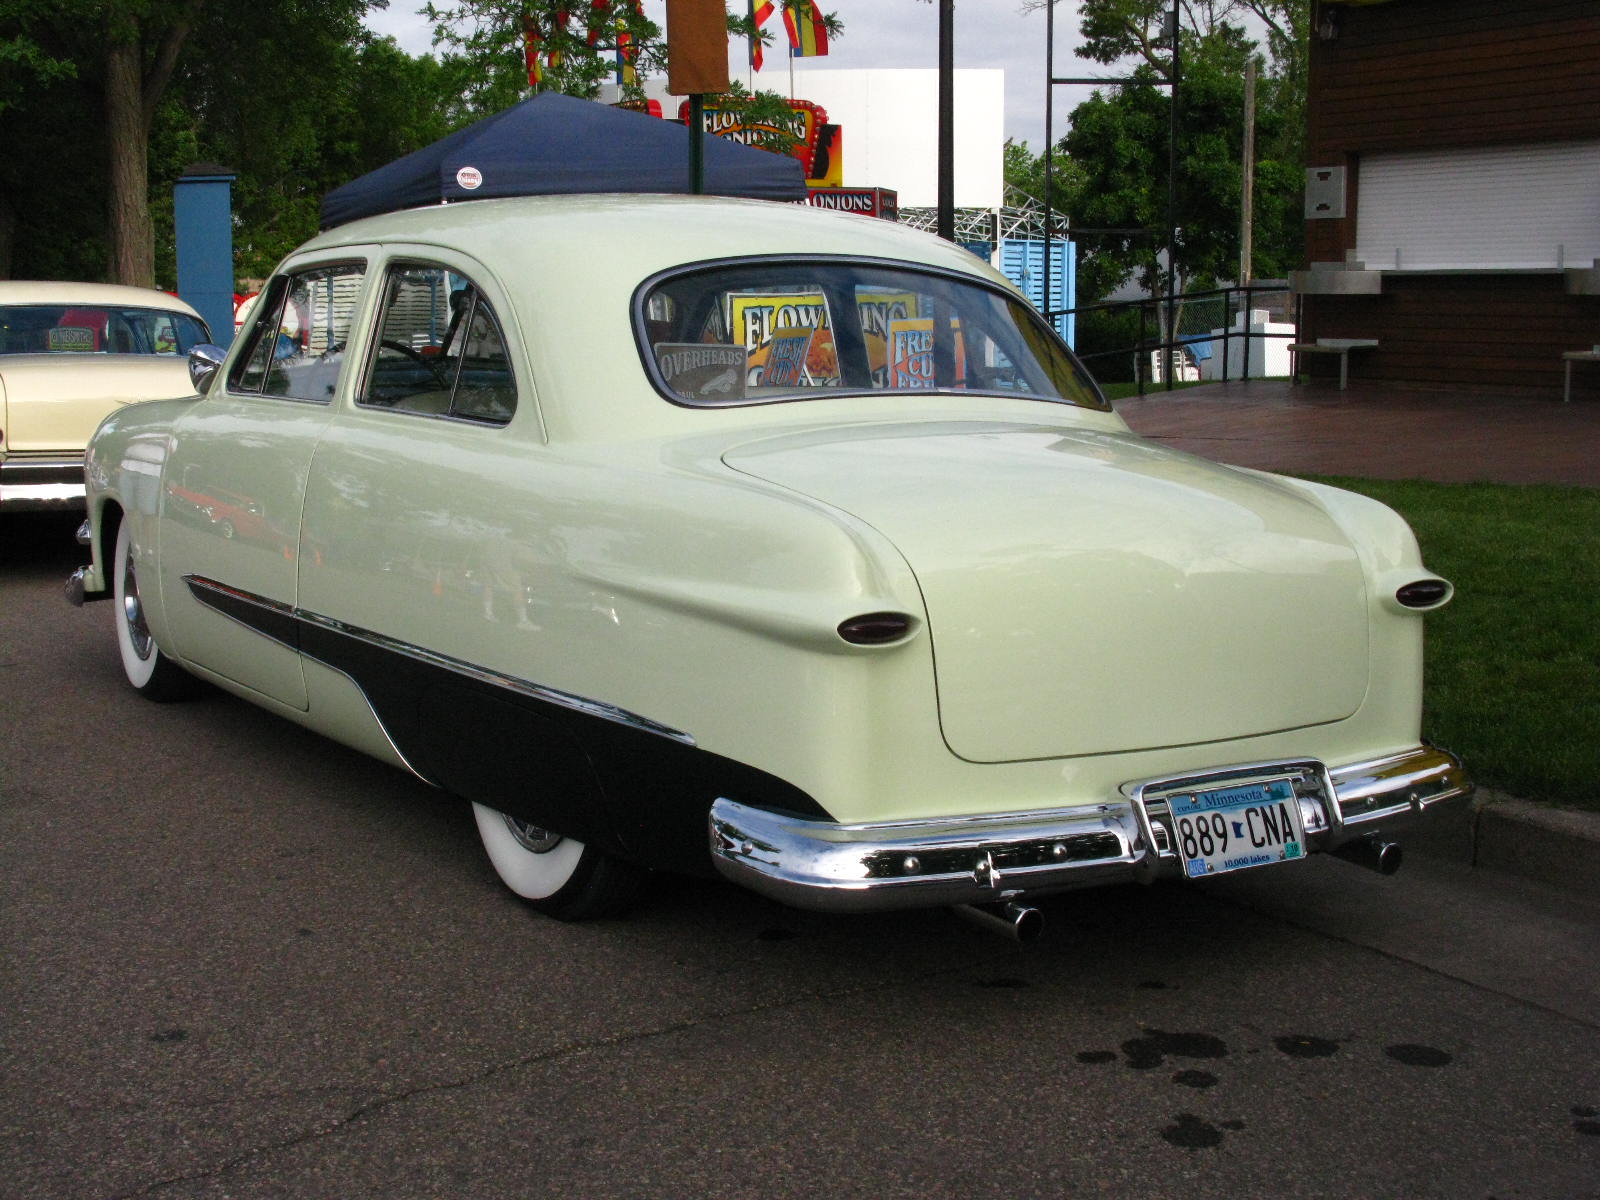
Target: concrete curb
{"x": 1557, "y": 847}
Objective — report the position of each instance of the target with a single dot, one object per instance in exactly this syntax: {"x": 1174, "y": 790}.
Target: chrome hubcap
{"x": 133, "y": 611}
{"x": 531, "y": 837}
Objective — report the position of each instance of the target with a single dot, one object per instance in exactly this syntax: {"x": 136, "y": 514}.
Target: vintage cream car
{"x": 688, "y": 533}
{"x": 69, "y": 354}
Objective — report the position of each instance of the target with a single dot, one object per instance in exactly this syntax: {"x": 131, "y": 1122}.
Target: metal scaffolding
{"x": 1021, "y": 217}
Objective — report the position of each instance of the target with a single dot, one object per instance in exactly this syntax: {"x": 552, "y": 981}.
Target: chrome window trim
{"x": 364, "y": 381}
{"x": 243, "y": 339}
{"x": 641, "y": 294}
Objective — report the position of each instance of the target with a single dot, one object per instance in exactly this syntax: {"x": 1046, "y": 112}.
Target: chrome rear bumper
{"x": 983, "y": 859}
{"x": 42, "y": 484}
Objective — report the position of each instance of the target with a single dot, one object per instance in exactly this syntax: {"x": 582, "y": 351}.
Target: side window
{"x": 440, "y": 350}
{"x": 297, "y": 342}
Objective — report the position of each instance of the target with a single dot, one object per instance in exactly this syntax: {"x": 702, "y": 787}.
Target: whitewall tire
{"x": 150, "y": 673}
{"x": 557, "y": 875}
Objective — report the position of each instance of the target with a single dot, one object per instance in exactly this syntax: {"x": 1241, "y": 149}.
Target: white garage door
{"x": 1533, "y": 206}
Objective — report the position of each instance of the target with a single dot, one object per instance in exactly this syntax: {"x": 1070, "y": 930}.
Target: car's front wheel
{"x": 556, "y": 875}
{"x": 151, "y": 673}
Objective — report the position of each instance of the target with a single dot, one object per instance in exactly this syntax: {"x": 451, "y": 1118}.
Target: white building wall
{"x": 890, "y": 119}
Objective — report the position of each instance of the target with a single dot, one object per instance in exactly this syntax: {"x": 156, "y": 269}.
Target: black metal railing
{"x": 1202, "y": 319}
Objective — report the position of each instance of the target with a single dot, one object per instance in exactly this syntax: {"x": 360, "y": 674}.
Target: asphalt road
{"x": 238, "y": 960}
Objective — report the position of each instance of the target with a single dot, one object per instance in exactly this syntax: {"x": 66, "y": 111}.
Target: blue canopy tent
{"x": 551, "y": 144}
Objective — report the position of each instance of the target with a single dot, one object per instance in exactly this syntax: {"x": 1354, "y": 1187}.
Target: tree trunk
{"x": 8, "y": 235}
{"x": 132, "y": 239}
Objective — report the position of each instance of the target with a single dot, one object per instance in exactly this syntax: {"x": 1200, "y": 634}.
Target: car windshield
{"x": 752, "y": 332}
{"x": 97, "y": 329}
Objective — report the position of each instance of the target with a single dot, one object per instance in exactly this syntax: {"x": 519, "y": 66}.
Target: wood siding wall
{"x": 1497, "y": 332}
{"x": 1426, "y": 74}
{"x": 1417, "y": 74}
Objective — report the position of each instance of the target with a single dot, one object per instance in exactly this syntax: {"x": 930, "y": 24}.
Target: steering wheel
{"x": 423, "y": 360}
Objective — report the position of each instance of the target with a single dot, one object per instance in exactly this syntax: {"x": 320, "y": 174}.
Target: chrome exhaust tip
{"x": 1019, "y": 922}
{"x": 1374, "y": 855}
{"x": 75, "y": 587}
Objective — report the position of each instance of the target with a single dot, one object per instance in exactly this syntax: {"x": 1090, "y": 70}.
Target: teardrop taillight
{"x": 875, "y": 629}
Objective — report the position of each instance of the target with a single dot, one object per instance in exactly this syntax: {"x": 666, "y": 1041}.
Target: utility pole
{"x": 1247, "y": 187}
{"x": 947, "y": 121}
{"x": 1169, "y": 351}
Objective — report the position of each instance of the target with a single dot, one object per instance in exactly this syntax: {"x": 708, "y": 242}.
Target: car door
{"x": 235, "y": 480}
{"x": 430, "y": 534}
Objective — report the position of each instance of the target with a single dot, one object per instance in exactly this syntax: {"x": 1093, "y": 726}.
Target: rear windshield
{"x": 758, "y": 331}
{"x": 92, "y": 329}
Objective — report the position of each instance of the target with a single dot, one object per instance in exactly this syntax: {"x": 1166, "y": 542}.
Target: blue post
{"x": 203, "y": 215}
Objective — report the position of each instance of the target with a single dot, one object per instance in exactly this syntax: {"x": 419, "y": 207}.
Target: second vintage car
{"x": 719, "y": 535}
{"x": 69, "y": 354}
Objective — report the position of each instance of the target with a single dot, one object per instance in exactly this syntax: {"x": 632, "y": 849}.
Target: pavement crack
{"x": 387, "y": 1100}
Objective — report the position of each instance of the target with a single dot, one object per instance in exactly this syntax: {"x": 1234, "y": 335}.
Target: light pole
{"x": 947, "y": 131}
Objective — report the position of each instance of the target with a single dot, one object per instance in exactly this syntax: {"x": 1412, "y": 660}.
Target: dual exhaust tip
{"x": 1019, "y": 922}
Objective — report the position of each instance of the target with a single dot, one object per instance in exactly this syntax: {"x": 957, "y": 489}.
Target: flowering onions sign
{"x": 807, "y": 123}
{"x": 868, "y": 202}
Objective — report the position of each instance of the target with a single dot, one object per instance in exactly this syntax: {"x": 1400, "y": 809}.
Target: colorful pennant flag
{"x": 530, "y": 50}
{"x": 553, "y": 58}
{"x": 759, "y": 12}
{"x": 808, "y": 36}
{"x": 627, "y": 52}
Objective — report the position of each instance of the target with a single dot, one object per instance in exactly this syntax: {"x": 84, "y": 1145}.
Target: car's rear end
{"x": 1144, "y": 664}
{"x": 70, "y": 353}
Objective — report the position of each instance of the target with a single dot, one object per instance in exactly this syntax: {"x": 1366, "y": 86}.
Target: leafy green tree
{"x": 96, "y": 109}
{"x": 124, "y": 52}
{"x": 1118, "y": 140}
{"x": 577, "y": 42}
{"x": 1024, "y": 176}
{"x": 297, "y": 117}
{"x": 294, "y": 95}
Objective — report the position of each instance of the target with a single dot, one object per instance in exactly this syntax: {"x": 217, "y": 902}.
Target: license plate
{"x": 1231, "y": 828}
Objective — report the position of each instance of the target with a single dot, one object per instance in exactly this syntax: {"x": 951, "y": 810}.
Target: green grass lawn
{"x": 1513, "y": 662}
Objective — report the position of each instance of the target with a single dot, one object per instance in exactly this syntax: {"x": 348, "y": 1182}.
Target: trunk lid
{"x": 56, "y": 401}
{"x": 1091, "y": 593}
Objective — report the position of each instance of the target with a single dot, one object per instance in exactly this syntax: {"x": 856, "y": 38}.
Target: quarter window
{"x": 297, "y": 343}
{"x": 440, "y": 351}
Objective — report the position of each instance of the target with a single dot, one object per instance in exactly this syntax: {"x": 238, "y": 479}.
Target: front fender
{"x": 124, "y": 471}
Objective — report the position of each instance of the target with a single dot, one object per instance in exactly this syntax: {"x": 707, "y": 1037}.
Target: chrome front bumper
{"x": 983, "y": 859}
{"x": 42, "y": 484}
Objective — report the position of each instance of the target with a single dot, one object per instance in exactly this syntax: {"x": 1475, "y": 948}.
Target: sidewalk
{"x": 1400, "y": 433}
{"x": 1377, "y": 432}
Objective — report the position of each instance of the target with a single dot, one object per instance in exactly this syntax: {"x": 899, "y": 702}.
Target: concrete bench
{"x": 1339, "y": 346}
{"x": 1568, "y": 357}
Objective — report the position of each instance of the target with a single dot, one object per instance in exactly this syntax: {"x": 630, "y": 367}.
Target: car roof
{"x": 110, "y": 295}
{"x": 640, "y": 234}
{"x": 573, "y": 264}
